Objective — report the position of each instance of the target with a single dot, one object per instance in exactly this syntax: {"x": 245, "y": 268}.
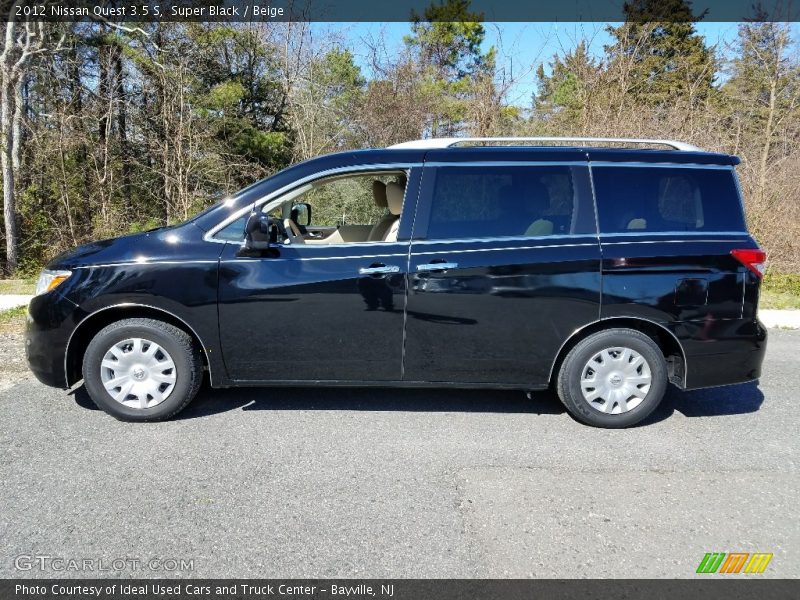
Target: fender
{"x": 578, "y": 332}
{"x": 150, "y": 307}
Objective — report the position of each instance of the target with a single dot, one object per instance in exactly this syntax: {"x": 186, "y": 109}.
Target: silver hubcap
{"x": 138, "y": 373}
{"x": 616, "y": 380}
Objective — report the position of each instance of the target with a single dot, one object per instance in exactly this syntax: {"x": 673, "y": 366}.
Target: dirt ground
{"x": 13, "y": 367}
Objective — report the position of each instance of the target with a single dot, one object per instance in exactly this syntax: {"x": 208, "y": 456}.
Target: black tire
{"x": 176, "y": 342}
{"x": 571, "y": 372}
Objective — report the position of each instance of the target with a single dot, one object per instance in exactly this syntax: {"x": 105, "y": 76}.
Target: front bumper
{"x": 50, "y": 322}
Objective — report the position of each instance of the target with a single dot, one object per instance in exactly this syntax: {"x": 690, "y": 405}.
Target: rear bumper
{"x": 723, "y": 352}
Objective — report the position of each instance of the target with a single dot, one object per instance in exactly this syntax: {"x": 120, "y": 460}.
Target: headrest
{"x": 379, "y": 193}
{"x": 637, "y": 224}
{"x": 540, "y": 227}
{"x": 394, "y": 197}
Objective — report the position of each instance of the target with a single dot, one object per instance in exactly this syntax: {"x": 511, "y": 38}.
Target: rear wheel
{"x": 142, "y": 370}
{"x": 613, "y": 378}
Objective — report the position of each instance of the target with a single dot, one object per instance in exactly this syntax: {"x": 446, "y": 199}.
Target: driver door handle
{"x": 437, "y": 266}
{"x": 379, "y": 270}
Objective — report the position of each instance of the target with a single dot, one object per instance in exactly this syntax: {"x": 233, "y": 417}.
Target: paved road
{"x": 341, "y": 483}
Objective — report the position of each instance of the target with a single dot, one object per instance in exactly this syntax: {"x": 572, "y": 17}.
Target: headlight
{"x": 50, "y": 280}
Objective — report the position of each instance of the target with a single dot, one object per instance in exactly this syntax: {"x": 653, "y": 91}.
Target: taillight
{"x": 755, "y": 260}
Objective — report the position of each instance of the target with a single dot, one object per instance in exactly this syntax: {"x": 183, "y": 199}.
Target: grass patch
{"x": 13, "y": 320}
{"x": 17, "y": 286}
{"x": 780, "y": 300}
{"x": 780, "y": 290}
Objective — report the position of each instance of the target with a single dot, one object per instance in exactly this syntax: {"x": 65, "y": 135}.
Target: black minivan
{"x": 516, "y": 263}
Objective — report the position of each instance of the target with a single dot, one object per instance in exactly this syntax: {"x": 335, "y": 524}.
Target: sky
{"x": 521, "y": 46}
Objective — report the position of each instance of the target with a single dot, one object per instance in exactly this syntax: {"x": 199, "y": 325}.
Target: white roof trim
{"x": 432, "y": 143}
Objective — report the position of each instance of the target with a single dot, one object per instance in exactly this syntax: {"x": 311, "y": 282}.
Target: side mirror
{"x": 301, "y": 214}
{"x": 261, "y": 235}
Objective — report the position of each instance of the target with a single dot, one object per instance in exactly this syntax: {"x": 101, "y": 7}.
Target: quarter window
{"x": 631, "y": 199}
{"x": 234, "y": 232}
{"x": 514, "y": 201}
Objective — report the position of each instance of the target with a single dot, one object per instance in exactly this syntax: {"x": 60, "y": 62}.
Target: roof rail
{"x": 451, "y": 142}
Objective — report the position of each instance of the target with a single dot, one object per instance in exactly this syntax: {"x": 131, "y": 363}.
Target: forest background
{"x": 107, "y": 129}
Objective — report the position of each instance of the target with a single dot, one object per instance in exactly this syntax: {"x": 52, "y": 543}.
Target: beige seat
{"x": 637, "y": 224}
{"x": 293, "y": 232}
{"x": 540, "y": 227}
{"x": 394, "y": 200}
{"x": 380, "y": 228}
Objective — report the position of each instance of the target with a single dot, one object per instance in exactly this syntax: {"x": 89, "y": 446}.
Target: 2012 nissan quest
{"x": 604, "y": 272}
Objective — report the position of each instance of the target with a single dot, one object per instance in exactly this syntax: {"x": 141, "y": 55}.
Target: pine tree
{"x": 323, "y": 109}
{"x": 449, "y": 37}
{"x": 565, "y": 92}
{"x": 447, "y": 40}
{"x": 661, "y": 54}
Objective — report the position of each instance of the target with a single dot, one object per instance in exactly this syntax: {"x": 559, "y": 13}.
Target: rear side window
{"x": 520, "y": 201}
{"x": 655, "y": 199}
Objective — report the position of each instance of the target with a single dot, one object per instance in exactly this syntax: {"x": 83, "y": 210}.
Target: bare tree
{"x": 22, "y": 42}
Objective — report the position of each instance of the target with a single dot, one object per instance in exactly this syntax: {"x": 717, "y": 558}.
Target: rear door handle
{"x": 379, "y": 270}
{"x": 439, "y": 266}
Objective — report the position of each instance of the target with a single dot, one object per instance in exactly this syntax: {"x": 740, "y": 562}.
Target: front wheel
{"x": 142, "y": 370}
{"x": 613, "y": 378}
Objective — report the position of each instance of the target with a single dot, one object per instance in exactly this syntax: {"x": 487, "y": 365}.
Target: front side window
{"x": 348, "y": 200}
{"x": 660, "y": 199}
{"x": 357, "y": 207}
{"x": 504, "y": 201}
{"x": 353, "y": 208}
